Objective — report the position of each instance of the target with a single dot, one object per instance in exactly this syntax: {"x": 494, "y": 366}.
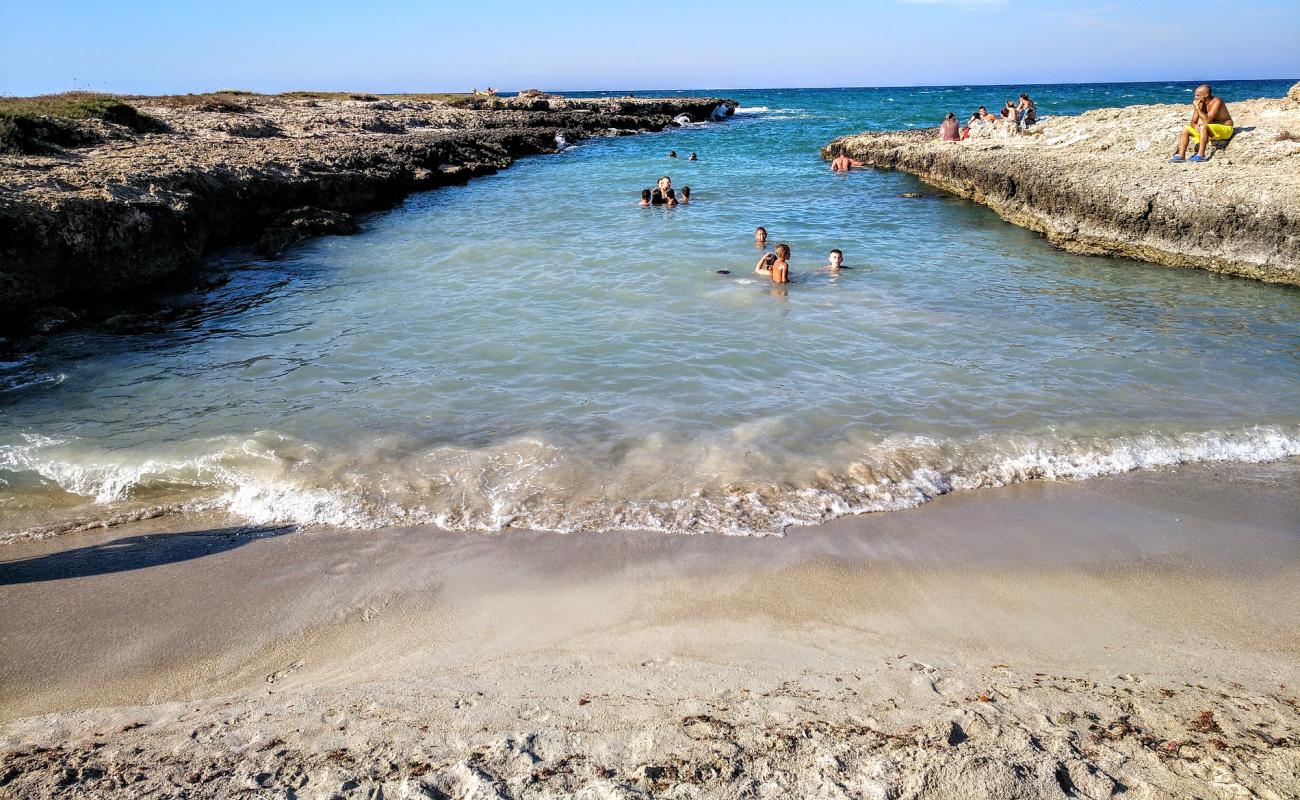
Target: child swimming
{"x": 836, "y": 260}
{"x": 645, "y": 197}
{"x": 760, "y": 237}
{"x": 776, "y": 264}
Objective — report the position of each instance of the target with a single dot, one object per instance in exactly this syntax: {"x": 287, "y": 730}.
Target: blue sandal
{"x": 1197, "y": 158}
{"x": 1176, "y": 160}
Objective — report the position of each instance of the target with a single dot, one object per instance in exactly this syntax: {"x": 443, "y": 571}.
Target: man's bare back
{"x": 843, "y": 163}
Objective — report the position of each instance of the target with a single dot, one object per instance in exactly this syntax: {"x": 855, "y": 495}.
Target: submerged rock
{"x": 303, "y": 223}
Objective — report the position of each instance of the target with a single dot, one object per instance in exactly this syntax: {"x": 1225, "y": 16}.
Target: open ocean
{"x": 535, "y": 350}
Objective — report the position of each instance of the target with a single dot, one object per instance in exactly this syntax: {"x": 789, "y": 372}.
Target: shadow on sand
{"x": 132, "y": 552}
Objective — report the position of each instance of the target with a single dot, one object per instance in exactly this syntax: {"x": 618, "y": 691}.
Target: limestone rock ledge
{"x": 83, "y": 226}
{"x": 1101, "y": 183}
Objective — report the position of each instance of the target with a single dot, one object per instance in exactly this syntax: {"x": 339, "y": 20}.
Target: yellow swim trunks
{"x": 1216, "y": 132}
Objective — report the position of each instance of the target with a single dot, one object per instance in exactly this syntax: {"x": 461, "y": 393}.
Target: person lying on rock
{"x": 843, "y": 163}
{"x": 1210, "y": 121}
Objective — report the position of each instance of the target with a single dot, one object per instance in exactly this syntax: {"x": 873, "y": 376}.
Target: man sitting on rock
{"x": 1210, "y": 120}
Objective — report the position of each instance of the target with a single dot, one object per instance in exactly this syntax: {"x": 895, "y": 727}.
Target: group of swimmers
{"x": 776, "y": 264}
{"x": 664, "y": 195}
{"x": 1014, "y": 117}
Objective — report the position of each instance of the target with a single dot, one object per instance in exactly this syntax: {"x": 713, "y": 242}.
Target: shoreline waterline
{"x": 989, "y": 640}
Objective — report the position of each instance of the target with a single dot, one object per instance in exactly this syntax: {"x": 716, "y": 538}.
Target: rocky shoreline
{"x": 1101, "y": 184}
{"x": 126, "y": 210}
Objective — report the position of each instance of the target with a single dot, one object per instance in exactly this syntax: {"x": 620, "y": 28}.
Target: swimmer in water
{"x": 645, "y": 197}
{"x": 663, "y": 192}
{"x": 686, "y": 195}
{"x": 775, "y": 265}
{"x": 780, "y": 270}
{"x": 672, "y": 154}
{"x": 760, "y": 237}
{"x": 843, "y": 163}
{"x": 693, "y": 158}
{"x": 836, "y": 262}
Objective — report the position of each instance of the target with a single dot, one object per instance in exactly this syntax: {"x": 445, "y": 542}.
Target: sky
{"x": 151, "y": 47}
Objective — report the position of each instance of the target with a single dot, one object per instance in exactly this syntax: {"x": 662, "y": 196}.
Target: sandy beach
{"x": 1132, "y": 635}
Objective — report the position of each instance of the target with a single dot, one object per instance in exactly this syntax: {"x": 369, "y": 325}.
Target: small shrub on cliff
{"x": 40, "y": 124}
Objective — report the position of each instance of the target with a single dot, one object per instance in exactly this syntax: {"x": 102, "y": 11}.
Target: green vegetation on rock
{"x": 49, "y": 122}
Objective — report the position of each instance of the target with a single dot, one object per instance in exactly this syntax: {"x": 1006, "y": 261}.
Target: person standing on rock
{"x": 1210, "y": 121}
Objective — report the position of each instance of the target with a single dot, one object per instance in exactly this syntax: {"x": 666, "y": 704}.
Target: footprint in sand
{"x": 281, "y": 674}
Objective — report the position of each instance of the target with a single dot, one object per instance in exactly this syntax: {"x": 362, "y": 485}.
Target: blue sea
{"x": 535, "y": 350}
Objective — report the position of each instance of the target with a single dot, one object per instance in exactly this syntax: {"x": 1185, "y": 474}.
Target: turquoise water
{"x": 534, "y": 349}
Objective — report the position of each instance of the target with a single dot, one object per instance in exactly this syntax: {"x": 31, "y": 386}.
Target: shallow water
{"x": 533, "y": 349}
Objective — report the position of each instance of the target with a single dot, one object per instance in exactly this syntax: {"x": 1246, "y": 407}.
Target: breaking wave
{"x": 656, "y": 483}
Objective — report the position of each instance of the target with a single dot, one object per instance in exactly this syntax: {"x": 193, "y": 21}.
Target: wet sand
{"x": 1135, "y": 634}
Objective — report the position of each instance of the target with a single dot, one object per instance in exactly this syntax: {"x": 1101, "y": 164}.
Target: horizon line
{"x": 4, "y": 94}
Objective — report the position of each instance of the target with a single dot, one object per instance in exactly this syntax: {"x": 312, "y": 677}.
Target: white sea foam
{"x": 656, "y": 484}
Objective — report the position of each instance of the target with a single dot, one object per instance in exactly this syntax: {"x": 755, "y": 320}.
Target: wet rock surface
{"x": 119, "y": 210}
{"x": 1101, "y": 183}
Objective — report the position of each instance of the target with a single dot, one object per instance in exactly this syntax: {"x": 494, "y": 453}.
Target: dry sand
{"x": 1135, "y": 635}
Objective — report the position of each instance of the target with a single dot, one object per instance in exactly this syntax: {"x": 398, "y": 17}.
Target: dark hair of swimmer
{"x": 686, "y": 191}
{"x": 838, "y": 251}
{"x": 672, "y": 154}
{"x": 761, "y": 228}
{"x": 645, "y": 194}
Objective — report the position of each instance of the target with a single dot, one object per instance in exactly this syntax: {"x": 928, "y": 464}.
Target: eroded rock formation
{"x": 1101, "y": 183}
{"x": 126, "y": 210}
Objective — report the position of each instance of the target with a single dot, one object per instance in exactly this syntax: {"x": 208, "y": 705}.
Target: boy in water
{"x": 645, "y": 197}
{"x": 760, "y": 237}
{"x": 836, "y": 262}
{"x": 686, "y": 195}
{"x": 776, "y": 265}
